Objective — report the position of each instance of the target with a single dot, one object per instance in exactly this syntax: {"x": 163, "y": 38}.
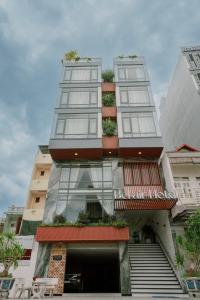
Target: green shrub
{"x": 108, "y": 99}
{"x": 107, "y": 76}
{"x": 83, "y": 218}
{"x": 72, "y": 55}
{"x": 109, "y": 127}
{"x": 59, "y": 219}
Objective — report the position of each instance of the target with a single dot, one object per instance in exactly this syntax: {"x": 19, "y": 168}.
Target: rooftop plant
{"x": 190, "y": 244}
{"x": 10, "y": 252}
{"x": 107, "y": 75}
{"x": 72, "y": 55}
{"x": 109, "y": 127}
{"x": 108, "y": 99}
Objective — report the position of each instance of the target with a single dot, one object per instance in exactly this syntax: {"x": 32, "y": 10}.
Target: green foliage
{"x": 107, "y": 75}
{"x": 72, "y": 55}
{"x": 179, "y": 259}
{"x": 132, "y": 56}
{"x": 59, "y": 219}
{"x": 10, "y": 252}
{"x": 83, "y": 218}
{"x": 190, "y": 241}
{"x": 108, "y": 99}
{"x": 109, "y": 127}
{"x": 83, "y": 221}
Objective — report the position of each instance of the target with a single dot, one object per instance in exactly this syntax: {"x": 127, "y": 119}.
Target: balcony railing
{"x": 39, "y": 185}
{"x": 188, "y": 199}
{"x": 15, "y": 210}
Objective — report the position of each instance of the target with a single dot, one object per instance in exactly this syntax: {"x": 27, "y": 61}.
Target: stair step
{"x": 152, "y": 276}
{"x": 155, "y": 279}
{"x": 155, "y": 286}
{"x": 135, "y": 264}
{"x": 157, "y": 291}
{"x": 151, "y": 267}
{"x": 150, "y": 272}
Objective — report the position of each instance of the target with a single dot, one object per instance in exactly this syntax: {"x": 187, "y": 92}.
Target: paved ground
{"x": 115, "y": 297}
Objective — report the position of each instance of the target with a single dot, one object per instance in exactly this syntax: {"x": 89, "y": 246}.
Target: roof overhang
{"x": 82, "y": 234}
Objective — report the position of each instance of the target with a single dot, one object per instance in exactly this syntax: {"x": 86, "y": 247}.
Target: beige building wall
{"x": 38, "y": 185}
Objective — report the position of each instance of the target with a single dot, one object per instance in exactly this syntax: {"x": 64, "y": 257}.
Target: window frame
{"x": 71, "y": 69}
{"x": 125, "y": 68}
{"x": 138, "y": 116}
{"x": 89, "y": 104}
{"x": 128, "y": 97}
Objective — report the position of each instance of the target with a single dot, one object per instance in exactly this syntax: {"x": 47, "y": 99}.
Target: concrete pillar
{"x": 124, "y": 269}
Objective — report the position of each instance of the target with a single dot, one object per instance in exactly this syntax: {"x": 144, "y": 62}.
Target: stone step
{"x": 157, "y": 291}
{"x": 151, "y": 267}
{"x": 153, "y": 276}
{"x": 155, "y": 286}
{"x": 133, "y": 271}
{"x": 149, "y": 264}
{"x": 153, "y": 281}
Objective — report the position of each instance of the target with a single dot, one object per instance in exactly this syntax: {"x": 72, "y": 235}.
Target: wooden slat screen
{"x": 141, "y": 174}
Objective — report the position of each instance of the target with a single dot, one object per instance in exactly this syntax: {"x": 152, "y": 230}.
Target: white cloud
{"x": 17, "y": 155}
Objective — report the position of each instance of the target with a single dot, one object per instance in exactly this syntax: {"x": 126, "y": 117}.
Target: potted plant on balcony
{"x": 190, "y": 244}
{"x": 108, "y": 99}
{"x": 109, "y": 127}
{"x": 10, "y": 252}
{"x": 107, "y": 76}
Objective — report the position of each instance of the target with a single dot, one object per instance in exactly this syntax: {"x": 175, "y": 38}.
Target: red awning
{"x": 82, "y": 234}
{"x": 145, "y": 204}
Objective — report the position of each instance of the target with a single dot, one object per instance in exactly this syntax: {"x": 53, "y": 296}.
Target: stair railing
{"x": 171, "y": 262}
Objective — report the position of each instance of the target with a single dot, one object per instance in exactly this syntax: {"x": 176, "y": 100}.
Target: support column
{"x": 124, "y": 269}
{"x": 57, "y": 264}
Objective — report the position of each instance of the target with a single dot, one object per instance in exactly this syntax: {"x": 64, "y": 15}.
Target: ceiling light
{"x": 140, "y": 153}
{"x": 75, "y": 153}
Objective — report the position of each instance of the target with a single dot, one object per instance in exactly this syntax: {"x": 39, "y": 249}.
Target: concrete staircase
{"x": 150, "y": 271}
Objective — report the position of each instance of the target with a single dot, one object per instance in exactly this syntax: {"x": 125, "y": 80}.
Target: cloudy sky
{"x": 34, "y": 35}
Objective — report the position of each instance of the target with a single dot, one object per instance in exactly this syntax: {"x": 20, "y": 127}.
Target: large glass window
{"x": 84, "y": 184}
{"x": 134, "y": 96}
{"x": 135, "y": 72}
{"x": 81, "y": 74}
{"x": 79, "y": 98}
{"x": 74, "y": 126}
{"x": 138, "y": 124}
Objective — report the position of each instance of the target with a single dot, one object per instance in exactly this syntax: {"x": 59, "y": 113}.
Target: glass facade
{"x": 138, "y": 125}
{"x": 131, "y": 72}
{"x": 81, "y": 184}
{"x": 76, "y": 126}
{"x": 81, "y": 74}
{"x": 79, "y": 98}
{"x": 136, "y": 96}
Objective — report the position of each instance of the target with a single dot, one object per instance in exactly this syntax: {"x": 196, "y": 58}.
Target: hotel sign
{"x": 149, "y": 194}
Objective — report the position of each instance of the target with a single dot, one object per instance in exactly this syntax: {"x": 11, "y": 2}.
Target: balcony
{"x": 15, "y": 210}
{"x": 43, "y": 159}
{"x": 108, "y": 87}
{"x": 33, "y": 214}
{"x": 188, "y": 201}
{"x": 144, "y": 198}
{"x": 109, "y": 112}
{"x": 39, "y": 185}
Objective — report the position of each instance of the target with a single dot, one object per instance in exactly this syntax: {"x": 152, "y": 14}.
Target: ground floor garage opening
{"x": 92, "y": 270}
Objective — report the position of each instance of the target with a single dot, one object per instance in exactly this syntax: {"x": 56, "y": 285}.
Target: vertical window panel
{"x": 60, "y": 126}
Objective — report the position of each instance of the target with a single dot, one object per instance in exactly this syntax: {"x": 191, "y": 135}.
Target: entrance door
{"x": 98, "y": 271}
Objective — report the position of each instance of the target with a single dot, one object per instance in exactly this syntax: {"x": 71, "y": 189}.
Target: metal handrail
{"x": 172, "y": 264}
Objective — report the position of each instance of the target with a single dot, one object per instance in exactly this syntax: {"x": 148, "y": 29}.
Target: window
{"x": 42, "y": 173}
{"x": 141, "y": 174}
{"x": 27, "y": 254}
{"x": 136, "y": 96}
{"x": 138, "y": 125}
{"x": 81, "y": 74}
{"x": 94, "y": 211}
{"x": 37, "y": 199}
{"x": 75, "y": 126}
{"x": 79, "y": 98}
{"x": 135, "y": 72}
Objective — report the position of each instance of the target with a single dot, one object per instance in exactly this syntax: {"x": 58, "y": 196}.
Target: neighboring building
{"x": 180, "y": 110}
{"x": 185, "y": 167}
{"x": 99, "y": 178}
{"x": 33, "y": 212}
{"x": 13, "y": 219}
